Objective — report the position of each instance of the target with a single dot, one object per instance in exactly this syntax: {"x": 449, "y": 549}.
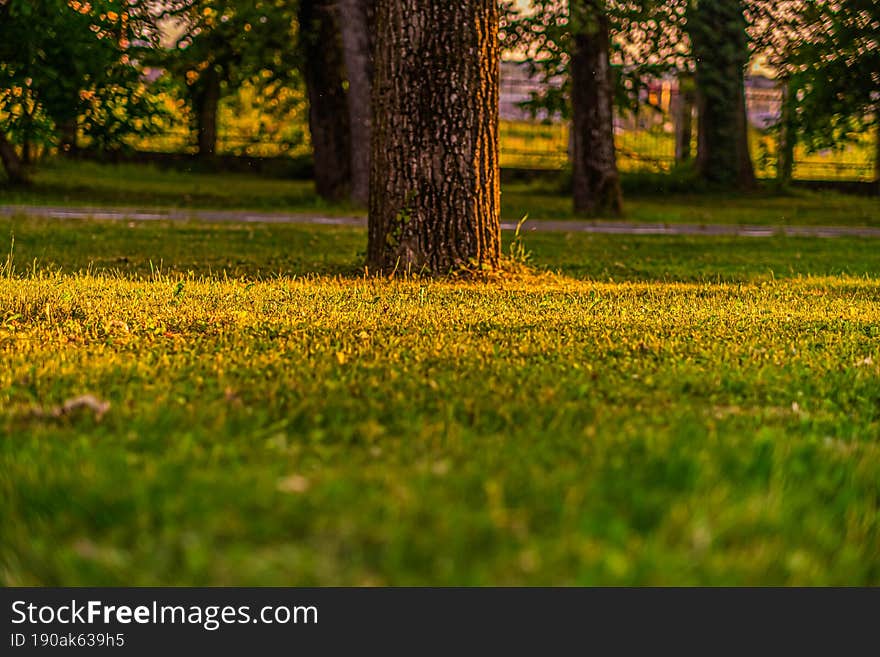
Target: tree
{"x": 720, "y": 47}
{"x": 323, "y": 70}
{"x": 435, "y": 191}
{"x": 12, "y": 164}
{"x": 221, "y": 44}
{"x": 786, "y": 135}
{"x": 62, "y": 61}
{"x": 835, "y": 73}
{"x": 42, "y": 74}
{"x": 595, "y": 179}
{"x": 594, "y": 56}
{"x": 356, "y": 21}
{"x": 683, "y": 109}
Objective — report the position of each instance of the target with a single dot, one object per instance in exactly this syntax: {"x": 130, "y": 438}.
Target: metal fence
{"x": 645, "y": 139}
{"x": 652, "y": 150}
{"x": 241, "y": 143}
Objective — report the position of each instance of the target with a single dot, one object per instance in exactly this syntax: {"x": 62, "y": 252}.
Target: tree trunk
{"x": 877, "y": 151}
{"x": 12, "y": 164}
{"x": 356, "y": 21}
{"x": 27, "y": 131}
{"x": 786, "y": 139}
{"x": 595, "y": 177}
{"x": 324, "y": 75}
{"x": 68, "y": 129}
{"x": 684, "y": 118}
{"x": 207, "y": 101}
{"x": 26, "y": 158}
{"x": 434, "y": 183}
{"x": 720, "y": 47}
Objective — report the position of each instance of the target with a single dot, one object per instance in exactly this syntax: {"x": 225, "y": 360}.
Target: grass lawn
{"x": 638, "y": 410}
{"x": 86, "y": 183}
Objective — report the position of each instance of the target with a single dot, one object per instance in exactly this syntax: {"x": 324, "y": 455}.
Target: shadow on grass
{"x": 139, "y": 249}
{"x": 261, "y": 251}
{"x": 69, "y": 182}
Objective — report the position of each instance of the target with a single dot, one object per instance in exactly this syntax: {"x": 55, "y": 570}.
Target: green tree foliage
{"x": 836, "y": 70}
{"x": 647, "y": 38}
{"x": 64, "y": 64}
{"x": 221, "y": 44}
{"x": 826, "y": 56}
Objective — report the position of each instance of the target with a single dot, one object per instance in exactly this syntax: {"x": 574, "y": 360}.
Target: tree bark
{"x": 595, "y": 177}
{"x": 434, "y": 183}
{"x": 68, "y": 131}
{"x": 26, "y": 158}
{"x": 324, "y": 74}
{"x": 684, "y": 118}
{"x": 356, "y": 21}
{"x": 877, "y": 151}
{"x": 786, "y": 139}
{"x": 720, "y": 47}
{"x": 16, "y": 172}
{"x": 207, "y": 102}
{"x": 26, "y": 134}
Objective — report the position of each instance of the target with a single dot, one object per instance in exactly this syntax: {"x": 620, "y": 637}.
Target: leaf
{"x": 72, "y": 405}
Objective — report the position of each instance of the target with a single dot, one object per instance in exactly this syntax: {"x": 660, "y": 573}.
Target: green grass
{"x": 136, "y": 249}
{"x": 68, "y": 182}
{"x": 661, "y": 411}
{"x": 85, "y": 183}
{"x": 798, "y": 207}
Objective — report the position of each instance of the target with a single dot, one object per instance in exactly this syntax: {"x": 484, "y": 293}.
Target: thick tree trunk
{"x": 434, "y": 184}
{"x": 356, "y": 21}
{"x": 720, "y": 47}
{"x": 595, "y": 177}
{"x": 684, "y": 118}
{"x": 207, "y": 102}
{"x": 324, "y": 75}
{"x": 16, "y": 172}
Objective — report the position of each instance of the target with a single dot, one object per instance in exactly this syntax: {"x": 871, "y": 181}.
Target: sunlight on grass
{"x": 342, "y": 430}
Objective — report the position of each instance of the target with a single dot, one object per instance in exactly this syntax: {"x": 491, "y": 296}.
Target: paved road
{"x": 613, "y": 227}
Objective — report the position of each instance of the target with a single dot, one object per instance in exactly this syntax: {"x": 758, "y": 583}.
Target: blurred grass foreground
{"x": 657, "y": 411}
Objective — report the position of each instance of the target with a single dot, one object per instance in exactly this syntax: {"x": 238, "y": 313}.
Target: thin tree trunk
{"x": 595, "y": 177}
{"x": 16, "y": 172}
{"x": 720, "y": 47}
{"x": 69, "y": 130}
{"x": 786, "y": 139}
{"x": 324, "y": 75}
{"x": 877, "y": 152}
{"x": 207, "y": 103}
{"x": 434, "y": 184}
{"x": 356, "y": 19}
{"x": 28, "y": 129}
{"x": 684, "y": 118}
{"x": 26, "y": 158}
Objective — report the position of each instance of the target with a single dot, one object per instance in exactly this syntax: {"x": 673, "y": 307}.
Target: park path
{"x": 568, "y": 226}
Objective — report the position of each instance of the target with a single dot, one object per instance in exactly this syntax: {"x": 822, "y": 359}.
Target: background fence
{"x": 645, "y": 139}
{"x": 545, "y": 146}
